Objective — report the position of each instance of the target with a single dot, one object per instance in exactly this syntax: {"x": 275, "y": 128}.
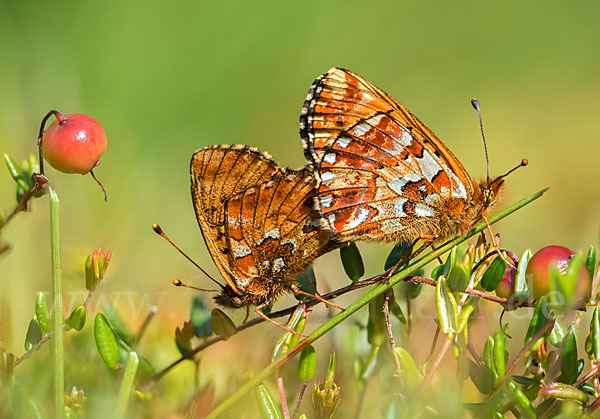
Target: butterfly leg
{"x": 496, "y": 242}
{"x": 386, "y": 315}
{"x": 247, "y": 314}
{"x": 270, "y": 320}
{"x": 316, "y": 296}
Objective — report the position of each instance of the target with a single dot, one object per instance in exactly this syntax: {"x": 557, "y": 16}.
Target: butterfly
{"x": 258, "y": 221}
{"x": 382, "y": 175}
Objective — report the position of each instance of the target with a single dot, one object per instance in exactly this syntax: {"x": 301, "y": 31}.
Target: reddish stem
{"x": 61, "y": 119}
{"x": 284, "y": 406}
{"x": 99, "y": 183}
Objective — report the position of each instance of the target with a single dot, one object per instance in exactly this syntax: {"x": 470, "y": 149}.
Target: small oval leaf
{"x": 569, "y": 368}
{"x": 42, "y": 313}
{"x": 493, "y": 274}
{"x": 266, "y": 404}
{"x": 34, "y": 334}
{"x": 522, "y": 292}
{"x": 77, "y": 318}
{"x": 447, "y": 308}
{"x": 200, "y": 317}
{"x": 106, "y": 341}
{"x": 352, "y": 262}
{"x": 222, "y": 324}
{"x": 307, "y": 363}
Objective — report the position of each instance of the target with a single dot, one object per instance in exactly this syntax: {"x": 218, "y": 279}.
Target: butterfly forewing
{"x": 217, "y": 174}
{"x": 257, "y": 219}
{"x": 381, "y": 172}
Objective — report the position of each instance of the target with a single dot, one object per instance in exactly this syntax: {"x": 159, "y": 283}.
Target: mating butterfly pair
{"x": 376, "y": 173}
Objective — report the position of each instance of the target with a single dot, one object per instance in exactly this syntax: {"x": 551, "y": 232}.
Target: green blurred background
{"x": 165, "y": 80}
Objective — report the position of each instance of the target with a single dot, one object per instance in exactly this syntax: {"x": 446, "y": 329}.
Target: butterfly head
{"x": 229, "y": 298}
{"x": 491, "y": 190}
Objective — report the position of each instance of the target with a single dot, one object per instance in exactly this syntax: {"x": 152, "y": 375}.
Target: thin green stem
{"x": 57, "y": 318}
{"x": 126, "y": 385}
{"x": 364, "y": 300}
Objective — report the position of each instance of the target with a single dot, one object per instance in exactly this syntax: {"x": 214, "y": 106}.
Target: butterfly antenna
{"x": 162, "y": 234}
{"x": 178, "y": 283}
{"x": 475, "y": 104}
{"x": 523, "y": 163}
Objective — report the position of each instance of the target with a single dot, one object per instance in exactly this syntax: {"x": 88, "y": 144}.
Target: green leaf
{"x": 330, "y": 370}
{"x": 266, "y": 404}
{"x": 396, "y": 311}
{"x": 34, "y": 334}
{"x": 499, "y": 356}
{"x": 480, "y": 376}
{"x": 42, "y": 313}
{"x": 77, "y": 318}
{"x": 450, "y": 262}
{"x": 400, "y": 249}
{"x": 409, "y": 371}
{"x": 493, "y": 274}
{"x": 521, "y": 400}
{"x": 125, "y": 348}
{"x": 200, "y": 316}
{"x": 590, "y": 261}
{"x": 437, "y": 271}
{"x": 106, "y": 341}
{"x": 302, "y": 279}
{"x": 557, "y": 334}
{"x": 116, "y": 322}
{"x": 307, "y": 363}
{"x": 526, "y": 381}
{"x": 352, "y": 261}
{"x": 447, "y": 308}
{"x": 488, "y": 358}
{"x": 463, "y": 317}
{"x": 287, "y": 339}
{"x": 376, "y": 327}
{"x": 522, "y": 292}
{"x": 562, "y": 286}
{"x": 222, "y": 324}
{"x": 564, "y": 391}
{"x": 570, "y": 365}
{"x": 16, "y": 173}
{"x": 459, "y": 278}
{"x": 541, "y": 316}
{"x": 595, "y": 335}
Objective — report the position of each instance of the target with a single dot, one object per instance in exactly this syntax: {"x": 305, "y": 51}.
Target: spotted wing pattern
{"x": 264, "y": 229}
{"x": 382, "y": 175}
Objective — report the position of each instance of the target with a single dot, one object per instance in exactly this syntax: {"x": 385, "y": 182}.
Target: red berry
{"x": 74, "y": 143}
{"x": 538, "y": 271}
{"x": 506, "y": 287}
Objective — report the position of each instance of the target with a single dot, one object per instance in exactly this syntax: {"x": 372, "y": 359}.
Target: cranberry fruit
{"x": 74, "y": 143}
{"x": 506, "y": 287}
{"x": 538, "y": 271}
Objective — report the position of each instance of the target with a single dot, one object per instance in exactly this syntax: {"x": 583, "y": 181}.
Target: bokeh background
{"x": 167, "y": 79}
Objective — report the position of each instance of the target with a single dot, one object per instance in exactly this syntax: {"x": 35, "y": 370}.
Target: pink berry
{"x": 538, "y": 271}
{"x": 74, "y": 143}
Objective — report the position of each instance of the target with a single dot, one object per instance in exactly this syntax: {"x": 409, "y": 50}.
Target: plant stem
{"x": 364, "y": 300}
{"x": 59, "y": 356}
{"x": 436, "y": 364}
{"x": 126, "y": 385}
{"x": 284, "y": 405}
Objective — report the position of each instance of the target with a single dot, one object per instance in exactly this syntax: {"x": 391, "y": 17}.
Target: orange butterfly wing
{"x": 217, "y": 174}
{"x": 382, "y": 174}
{"x": 266, "y": 229}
